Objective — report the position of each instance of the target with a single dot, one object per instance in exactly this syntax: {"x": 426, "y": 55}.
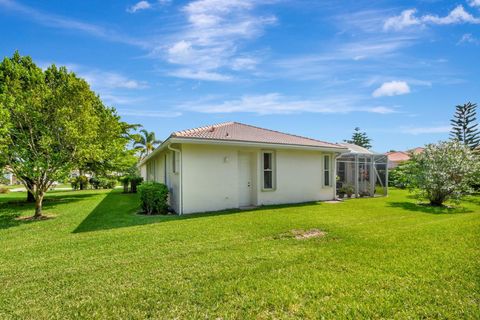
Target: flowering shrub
{"x": 442, "y": 172}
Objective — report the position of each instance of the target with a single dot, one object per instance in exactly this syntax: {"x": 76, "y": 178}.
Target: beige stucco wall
{"x": 211, "y": 181}
{"x": 170, "y": 179}
{"x": 299, "y": 178}
{"x": 210, "y": 177}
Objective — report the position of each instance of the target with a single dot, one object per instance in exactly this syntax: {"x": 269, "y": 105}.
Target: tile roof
{"x": 416, "y": 150}
{"x": 397, "y": 156}
{"x": 234, "y": 131}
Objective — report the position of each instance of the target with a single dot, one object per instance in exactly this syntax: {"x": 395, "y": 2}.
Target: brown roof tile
{"x": 234, "y": 131}
{"x": 398, "y": 156}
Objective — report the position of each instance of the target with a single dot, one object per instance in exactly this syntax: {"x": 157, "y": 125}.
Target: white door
{"x": 244, "y": 179}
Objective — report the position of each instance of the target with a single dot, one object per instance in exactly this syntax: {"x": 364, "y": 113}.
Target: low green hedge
{"x": 153, "y": 197}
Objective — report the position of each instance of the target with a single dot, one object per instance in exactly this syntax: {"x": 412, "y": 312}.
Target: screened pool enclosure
{"x": 361, "y": 173}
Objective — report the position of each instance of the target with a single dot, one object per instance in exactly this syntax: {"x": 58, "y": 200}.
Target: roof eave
{"x": 254, "y": 144}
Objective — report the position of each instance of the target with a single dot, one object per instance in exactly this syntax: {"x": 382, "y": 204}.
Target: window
{"x": 326, "y": 171}
{"x": 268, "y": 170}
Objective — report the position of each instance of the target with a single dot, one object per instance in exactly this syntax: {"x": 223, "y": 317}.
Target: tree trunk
{"x": 38, "y": 206}
{"x": 82, "y": 186}
{"x": 30, "y": 197}
{"x": 125, "y": 187}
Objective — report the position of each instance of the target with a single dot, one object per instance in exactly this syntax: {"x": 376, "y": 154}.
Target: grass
{"x": 381, "y": 258}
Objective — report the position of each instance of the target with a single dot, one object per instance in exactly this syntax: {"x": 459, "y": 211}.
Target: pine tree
{"x": 360, "y": 139}
{"x": 464, "y": 128}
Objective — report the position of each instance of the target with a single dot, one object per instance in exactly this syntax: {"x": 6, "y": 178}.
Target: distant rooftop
{"x": 234, "y": 131}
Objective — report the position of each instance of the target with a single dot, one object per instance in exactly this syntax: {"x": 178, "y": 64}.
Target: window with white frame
{"x": 268, "y": 166}
{"x": 327, "y": 171}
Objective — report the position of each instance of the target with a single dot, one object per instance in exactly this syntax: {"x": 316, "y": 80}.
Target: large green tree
{"x": 464, "y": 126}
{"x": 360, "y": 139}
{"x": 53, "y": 124}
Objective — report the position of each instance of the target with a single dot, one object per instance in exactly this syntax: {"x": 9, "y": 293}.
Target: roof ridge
{"x": 216, "y": 125}
{"x": 290, "y": 134}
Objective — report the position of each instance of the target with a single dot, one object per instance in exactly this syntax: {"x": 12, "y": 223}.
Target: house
{"x": 397, "y": 157}
{"x": 234, "y": 165}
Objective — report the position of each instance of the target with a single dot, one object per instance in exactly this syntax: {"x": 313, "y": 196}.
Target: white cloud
{"x": 426, "y": 130}
{"x": 392, "y": 88}
{"x": 141, "y": 5}
{"x": 381, "y": 110}
{"x": 407, "y": 19}
{"x": 275, "y": 103}
{"x": 404, "y": 20}
{"x": 474, "y": 3}
{"x": 211, "y": 41}
{"x": 200, "y": 75}
{"x": 61, "y": 22}
{"x": 110, "y": 80}
{"x": 148, "y": 113}
{"x": 468, "y": 38}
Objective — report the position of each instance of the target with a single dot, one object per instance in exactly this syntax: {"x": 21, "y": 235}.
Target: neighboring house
{"x": 9, "y": 176}
{"x": 416, "y": 150}
{"x": 234, "y": 165}
{"x": 397, "y": 157}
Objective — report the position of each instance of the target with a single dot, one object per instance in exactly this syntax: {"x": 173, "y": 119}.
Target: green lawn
{"x": 381, "y": 258}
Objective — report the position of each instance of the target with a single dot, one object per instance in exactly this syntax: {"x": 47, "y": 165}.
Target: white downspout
{"x": 180, "y": 178}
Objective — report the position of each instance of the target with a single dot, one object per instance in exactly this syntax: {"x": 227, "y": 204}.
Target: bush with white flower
{"x": 443, "y": 171}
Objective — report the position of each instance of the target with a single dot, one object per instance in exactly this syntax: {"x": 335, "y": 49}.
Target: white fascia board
{"x": 254, "y": 144}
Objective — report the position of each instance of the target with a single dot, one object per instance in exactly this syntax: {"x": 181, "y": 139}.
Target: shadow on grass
{"x": 119, "y": 210}
{"x": 11, "y": 209}
{"x": 427, "y": 208}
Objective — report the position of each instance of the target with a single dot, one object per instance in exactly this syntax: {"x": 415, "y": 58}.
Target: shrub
{"x": 398, "y": 176}
{"x": 134, "y": 182}
{"x": 442, "y": 172}
{"x": 125, "y": 180}
{"x": 347, "y": 189}
{"x": 106, "y": 183}
{"x": 153, "y": 197}
{"x": 74, "y": 183}
{"x": 4, "y": 190}
{"x": 94, "y": 182}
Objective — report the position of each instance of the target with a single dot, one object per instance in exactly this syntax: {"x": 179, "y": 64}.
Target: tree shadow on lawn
{"x": 120, "y": 210}
{"x": 426, "y": 208}
{"x": 11, "y": 210}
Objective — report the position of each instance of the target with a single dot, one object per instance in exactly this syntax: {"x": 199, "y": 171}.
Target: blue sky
{"x": 396, "y": 69}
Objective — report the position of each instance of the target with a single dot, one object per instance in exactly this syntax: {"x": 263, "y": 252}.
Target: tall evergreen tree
{"x": 464, "y": 128}
{"x": 360, "y": 139}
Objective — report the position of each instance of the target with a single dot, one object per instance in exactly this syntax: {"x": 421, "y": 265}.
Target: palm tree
{"x": 145, "y": 142}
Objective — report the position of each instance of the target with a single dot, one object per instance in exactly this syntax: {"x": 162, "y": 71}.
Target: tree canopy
{"x": 52, "y": 123}
{"x": 464, "y": 126}
{"x": 145, "y": 142}
{"x": 360, "y": 139}
{"x": 443, "y": 171}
